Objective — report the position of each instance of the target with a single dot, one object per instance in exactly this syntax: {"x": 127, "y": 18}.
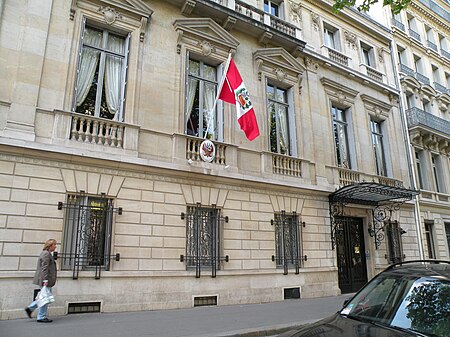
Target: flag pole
{"x": 219, "y": 89}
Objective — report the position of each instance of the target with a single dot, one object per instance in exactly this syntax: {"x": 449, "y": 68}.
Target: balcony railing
{"x": 263, "y": 17}
{"x": 422, "y": 78}
{"x": 285, "y": 165}
{"x": 348, "y": 177}
{"x": 445, "y": 53}
{"x": 193, "y": 150}
{"x": 432, "y": 46}
{"x": 88, "y": 129}
{"x": 398, "y": 24}
{"x": 439, "y": 87}
{"x": 437, "y": 9}
{"x": 338, "y": 57}
{"x": 374, "y": 74}
{"x": 407, "y": 70}
{"x": 414, "y": 34}
{"x": 418, "y": 117}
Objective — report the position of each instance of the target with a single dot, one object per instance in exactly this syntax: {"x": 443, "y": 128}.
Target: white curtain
{"x": 284, "y": 136}
{"x": 113, "y": 74}
{"x": 209, "y": 116}
{"x": 192, "y": 88}
{"x": 88, "y": 64}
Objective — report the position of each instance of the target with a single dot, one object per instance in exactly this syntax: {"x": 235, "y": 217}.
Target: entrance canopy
{"x": 367, "y": 193}
{"x": 384, "y": 199}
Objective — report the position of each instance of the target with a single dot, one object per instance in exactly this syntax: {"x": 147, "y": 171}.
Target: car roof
{"x": 421, "y": 268}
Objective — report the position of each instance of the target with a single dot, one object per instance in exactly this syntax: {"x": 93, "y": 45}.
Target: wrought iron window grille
{"x": 87, "y": 239}
{"x": 393, "y": 233}
{"x": 288, "y": 241}
{"x": 385, "y": 201}
{"x": 203, "y": 238}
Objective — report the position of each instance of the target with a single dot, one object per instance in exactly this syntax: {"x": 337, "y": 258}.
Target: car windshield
{"x": 420, "y": 304}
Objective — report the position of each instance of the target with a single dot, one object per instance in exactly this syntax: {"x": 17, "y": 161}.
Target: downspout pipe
{"x": 409, "y": 151}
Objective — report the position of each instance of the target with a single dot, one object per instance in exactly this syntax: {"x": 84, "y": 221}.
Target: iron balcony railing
{"x": 432, "y": 46}
{"x": 422, "y": 78}
{"x": 398, "y": 24}
{"x": 418, "y": 117}
{"x": 439, "y": 87}
{"x": 407, "y": 70}
{"x": 445, "y": 53}
{"x": 414, "y": 34}
{"x": 437, "y": 9}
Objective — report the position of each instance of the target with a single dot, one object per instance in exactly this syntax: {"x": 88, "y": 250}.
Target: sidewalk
{"x": 250, "y": 320}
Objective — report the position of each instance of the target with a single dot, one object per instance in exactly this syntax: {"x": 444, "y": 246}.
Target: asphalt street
{"x": 250, "y": 320}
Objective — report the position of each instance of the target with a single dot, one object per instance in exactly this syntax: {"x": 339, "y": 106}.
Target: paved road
{"x": 235, "y": 320}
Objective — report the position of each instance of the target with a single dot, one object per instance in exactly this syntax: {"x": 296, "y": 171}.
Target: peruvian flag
{"x": 233, "y": 91}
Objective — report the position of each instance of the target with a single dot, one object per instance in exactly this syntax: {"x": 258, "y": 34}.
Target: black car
{"x": 407, "y": 299}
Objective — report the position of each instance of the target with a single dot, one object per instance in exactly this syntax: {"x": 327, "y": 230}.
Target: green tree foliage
{"x": 429, "y": 308}
{"x": 396, "y": 5}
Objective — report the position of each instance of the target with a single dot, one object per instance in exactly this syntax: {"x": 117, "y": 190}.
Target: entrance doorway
{"x": 351, "y": 256}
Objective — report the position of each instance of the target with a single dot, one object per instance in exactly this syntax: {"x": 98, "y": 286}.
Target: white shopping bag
{"x": 44, "y": 297}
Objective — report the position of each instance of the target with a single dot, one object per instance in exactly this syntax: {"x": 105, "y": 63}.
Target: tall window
{"x": 272, "y": 7}
{"x": 341, "y": 137}
{"x": 402, "y": 55}
{"x": 437, "y": 173}
{"x": 393, "y": 234}
{"x": 378, "y": 147}
{"x": 87, "y": 232}
{"x": 278, "y": 109}
{"x": 201, "y": 120}
{"x": 418, "y": 64}
{"x": 100, "y": 87}
{"x": 419, "y": 168}
{"x": 427, "y": 106}
{"x": 330, "y": 36}
{"x": 287, "y": 241}
{"x": 203, "y": 237}
{"x": 430, "y": 240}
{"x": 367, "y": 55}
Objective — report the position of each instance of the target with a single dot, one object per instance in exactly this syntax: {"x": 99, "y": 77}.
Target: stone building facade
{"x": 104, "y": 109}
{"x": 421, "y": 36}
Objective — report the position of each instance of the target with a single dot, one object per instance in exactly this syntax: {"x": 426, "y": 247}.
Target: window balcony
{"x": 374, "y": 74}
{"x": 193, "y": 151}
{"x": 445, "y": 53}
{"x": 251, "y": 20}
{"x": 418, "y": 118}
{"x": 337, "y": 57}
{"x": 345, "y": 177}
{"x": 422, "y": 78}
{"x": 407, "y": 70}
{"x": 285, "y": 165}
{"x": 414, "y": 35}
{"x": 439, "y": 87}
{"x": 399, "y": 25}
{"x": 432, "y": 46}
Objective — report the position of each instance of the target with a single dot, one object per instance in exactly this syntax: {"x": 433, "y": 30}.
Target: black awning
{"x": 367, "y": 193}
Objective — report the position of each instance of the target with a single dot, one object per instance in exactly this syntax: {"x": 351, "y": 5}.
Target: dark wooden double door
{"x": 351, "y": 256}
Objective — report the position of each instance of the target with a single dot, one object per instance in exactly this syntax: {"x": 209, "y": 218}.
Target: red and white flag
{"x": 233, "y": 91}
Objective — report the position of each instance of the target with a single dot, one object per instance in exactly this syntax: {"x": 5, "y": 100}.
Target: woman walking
{"x": 45, "y": 275}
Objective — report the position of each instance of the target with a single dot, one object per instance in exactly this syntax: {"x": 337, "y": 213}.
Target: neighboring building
{"x": 104, "y": 105}
{"x": 422, "y": 53}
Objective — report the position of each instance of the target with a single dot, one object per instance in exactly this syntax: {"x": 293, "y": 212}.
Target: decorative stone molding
{"x": 376, "y": 108}
{"x": 380, "y": 52}
{"x": 229, "y": 23}
{"x": 134, "y": 12}
{"x": 110, "y": 14}
{"x": 350, "y": 38}
{"x": 295, "y": 10}
{"x": 278, "y": 64}
{"x": 338, "y": 92}
{"x": 315, "y": 19}
{"x": 204, "y": 36}
{"x": 311, "y": 65}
